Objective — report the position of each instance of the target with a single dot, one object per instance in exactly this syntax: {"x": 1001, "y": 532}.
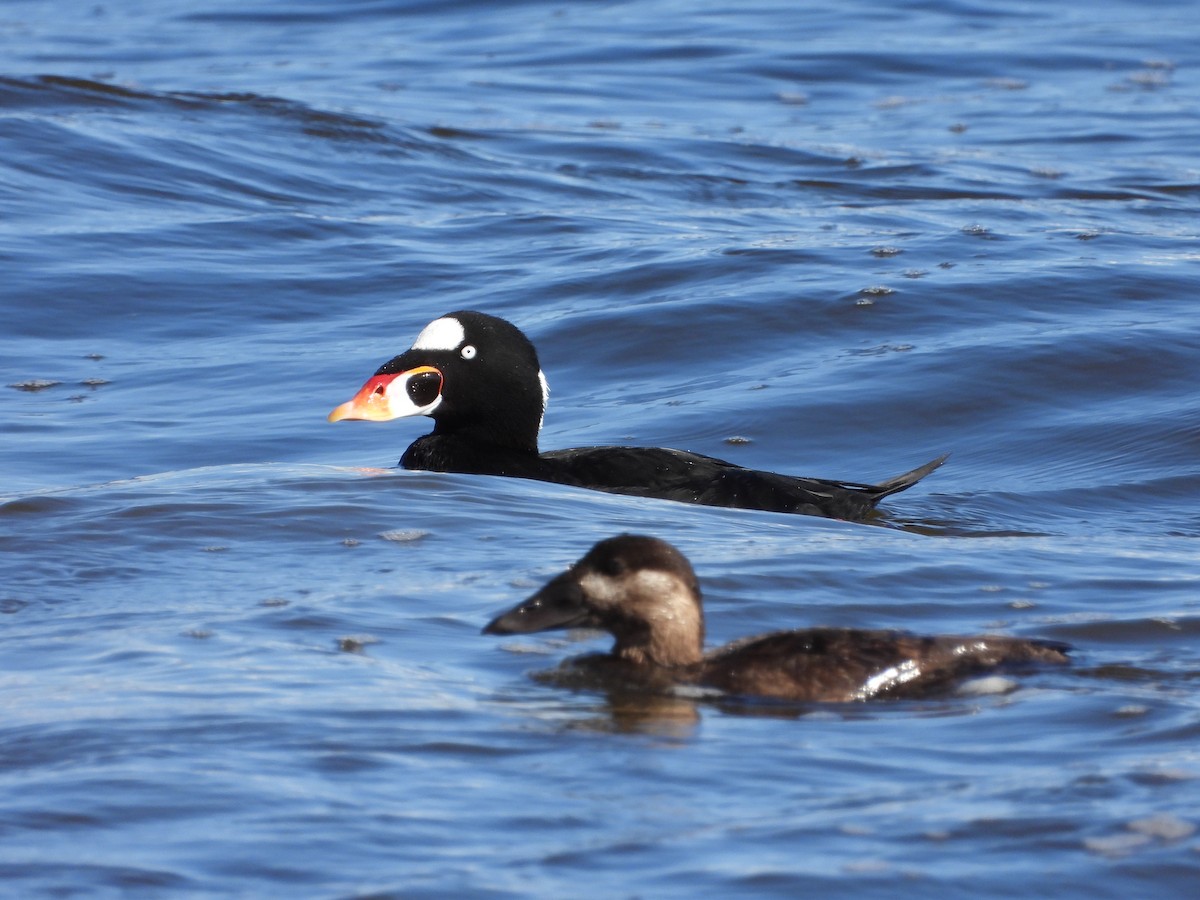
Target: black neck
{"x": 457, "y": 453}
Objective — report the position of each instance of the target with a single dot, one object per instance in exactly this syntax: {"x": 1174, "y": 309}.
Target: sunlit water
{"x": 241, "y": 652}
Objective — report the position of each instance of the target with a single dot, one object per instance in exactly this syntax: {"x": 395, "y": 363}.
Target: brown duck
{"x": 644, "y": 592}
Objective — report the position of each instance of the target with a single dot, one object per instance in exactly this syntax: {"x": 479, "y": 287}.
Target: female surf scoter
{"x": 643, "y": 591}
{"x": 478, "y": 377}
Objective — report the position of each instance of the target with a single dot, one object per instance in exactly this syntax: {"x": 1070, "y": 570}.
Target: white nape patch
{"x": 545, "y": 397}
{"x": 445, "y": 333}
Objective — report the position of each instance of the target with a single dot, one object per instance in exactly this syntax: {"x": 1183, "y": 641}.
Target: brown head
{"x": 639, "y": 589}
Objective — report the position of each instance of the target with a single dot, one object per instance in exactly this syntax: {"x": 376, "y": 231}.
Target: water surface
{"x": 241, "y": 650}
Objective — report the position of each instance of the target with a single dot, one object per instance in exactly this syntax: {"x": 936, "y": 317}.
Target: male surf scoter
{"x": 643, "y": 591}
{"x": 478, "y": 377}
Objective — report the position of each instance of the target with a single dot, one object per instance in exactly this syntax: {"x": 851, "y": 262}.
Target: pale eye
{"x": 468, "y": 352}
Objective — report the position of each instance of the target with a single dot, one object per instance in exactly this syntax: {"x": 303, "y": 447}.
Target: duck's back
{"x": 841, "y": 665}
{"x": 694, "y": 478}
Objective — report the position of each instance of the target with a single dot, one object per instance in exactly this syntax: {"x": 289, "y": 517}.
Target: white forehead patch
{"x": 445, "y": 333}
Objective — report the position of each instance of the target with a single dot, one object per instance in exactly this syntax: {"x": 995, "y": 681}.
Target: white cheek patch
{"x": 668, "y": 599}
{"x": 599, "y": 590}
{"x": 445, "y": 333}
{"x": 652, "y": 583}
{"x": 652, "y": 594}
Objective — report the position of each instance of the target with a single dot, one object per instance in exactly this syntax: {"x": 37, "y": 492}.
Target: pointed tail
{"x": 903, "y": 482}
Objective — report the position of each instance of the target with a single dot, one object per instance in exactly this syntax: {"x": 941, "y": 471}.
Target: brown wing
{"x": 839, "y": 665}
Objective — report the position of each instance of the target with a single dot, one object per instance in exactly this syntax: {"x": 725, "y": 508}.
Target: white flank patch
{"x": 445, "y": 333}
{"x": 985, "y": 685}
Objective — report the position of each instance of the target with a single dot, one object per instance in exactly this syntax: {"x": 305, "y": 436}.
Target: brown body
{"x": 643, "y": 591}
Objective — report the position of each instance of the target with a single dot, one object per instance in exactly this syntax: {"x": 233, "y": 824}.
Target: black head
{"x": 475, "y": 375}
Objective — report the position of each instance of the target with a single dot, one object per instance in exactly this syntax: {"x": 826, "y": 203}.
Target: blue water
{"x": 240, "y": 649}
